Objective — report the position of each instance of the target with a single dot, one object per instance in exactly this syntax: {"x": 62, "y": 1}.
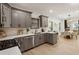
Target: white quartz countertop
{"x": 49, "y": 32}
{"x": 17, "y": 36}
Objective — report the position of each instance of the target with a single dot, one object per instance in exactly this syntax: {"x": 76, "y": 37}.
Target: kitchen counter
{"x": 48, "y": 32}
{"x": 12, "y": 37}
{"x": 28, "y": 41}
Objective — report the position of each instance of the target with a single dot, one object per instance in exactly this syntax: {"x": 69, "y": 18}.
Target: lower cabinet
{"x": 39, "y": 39}
{"x": 25, "y": 43}
{"x": 55, "y": 38}
{"x": 29, "y": 42}
{"x": 36, "y": 40}
{"x": 20, "y": 43}
{"x": 52, "y": 38}
{"x": 47, "y": 37}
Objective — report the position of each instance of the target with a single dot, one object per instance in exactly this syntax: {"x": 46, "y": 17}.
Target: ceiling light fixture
{"x": 50, "y": 11}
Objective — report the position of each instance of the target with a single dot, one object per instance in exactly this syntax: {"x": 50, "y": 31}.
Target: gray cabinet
{"x": 55, "y": 38}
{"x": 25, "y": 43}
{"x": 21, "y": 18}
{"x": 18, "y": 18}
{"x": 52, "y": 38}
{"x": 29, "y": 42}
{"x": 46, "y": 37}
{"x": 39, "y": 39}
{"x": 43, "y": 21}
{"x": 20, "y": 43}
{"x": 13, "y": 17}
{"x": 0, "y": 16}
{"x": 28, "y": 21}
{"x": 35, "y": 23}
{"x": 36, "y": 40}
{"x": 5, "y": 15}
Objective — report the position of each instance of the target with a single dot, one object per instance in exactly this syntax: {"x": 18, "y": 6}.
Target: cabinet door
{"x": 15, "y": 18}
{"x": 28, "y": 43}
{"x": 35, "y": 23}
{"x": 18, "y": 18}
{"x": 36, "y": 40}
{"x": 47, "y": 37}
{"x": 41, "y": 38}
{"x": 43, "y": 21}
{"x": 6, "y": 15}
{"x": 25, "y": 43}
{"x": 28, "y": 21}
{"x": 55, "y": 38}
{"x": 52, "y": 38}
{"x": 0, "y": 16}
{"x": 22, "y": 18}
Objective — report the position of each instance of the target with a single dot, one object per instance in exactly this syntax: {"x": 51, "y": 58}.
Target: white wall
{"x": 56, "y": 25}
{"x": 62, "y": 26}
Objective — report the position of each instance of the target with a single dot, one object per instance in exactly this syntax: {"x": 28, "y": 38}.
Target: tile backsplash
{"x": 10, "y": 31}
{"x": 13, "y": 31}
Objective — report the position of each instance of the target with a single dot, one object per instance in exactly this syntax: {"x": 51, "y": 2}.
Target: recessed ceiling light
{"x": 50, "y": 11}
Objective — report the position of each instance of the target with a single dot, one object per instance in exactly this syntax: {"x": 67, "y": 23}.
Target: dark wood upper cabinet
{"x": 35, "y": 23}
{"x": 14, "y": 17}
{"x": 21, "y": 18}
{"x": 43, "y": 21}
{"x": 0, "y": 16}
{"x": 5, "y": 15}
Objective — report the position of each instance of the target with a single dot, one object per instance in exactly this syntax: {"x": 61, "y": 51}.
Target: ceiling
{"x": 52, "y": 10}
